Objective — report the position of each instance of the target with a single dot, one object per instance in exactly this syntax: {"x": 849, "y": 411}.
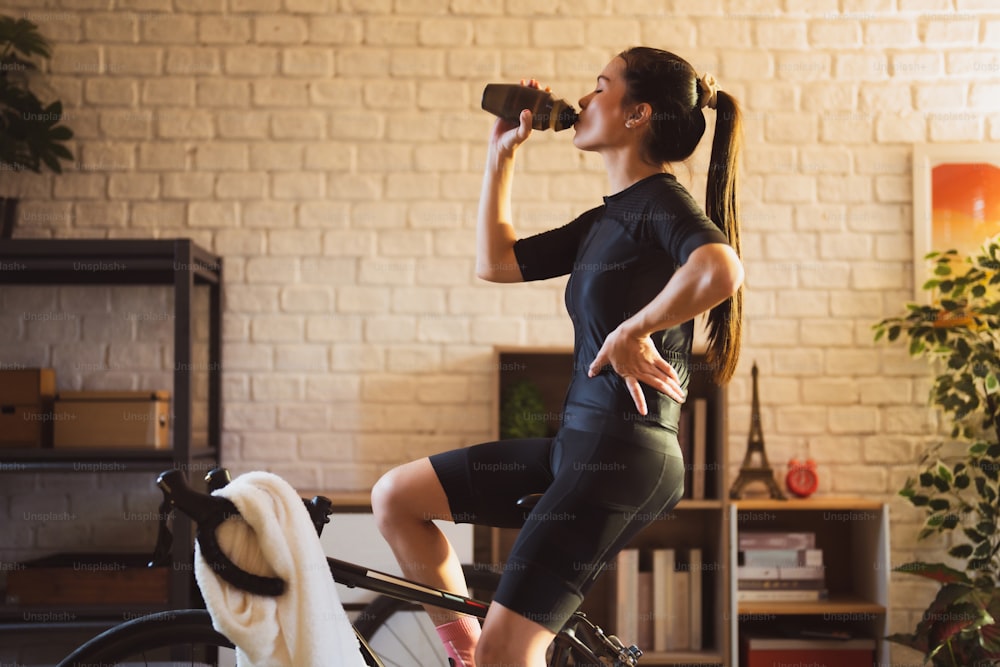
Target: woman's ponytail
{"x": 725, "y": 321}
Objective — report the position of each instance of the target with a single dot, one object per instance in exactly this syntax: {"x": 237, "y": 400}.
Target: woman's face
{"x": 602, "y": 115}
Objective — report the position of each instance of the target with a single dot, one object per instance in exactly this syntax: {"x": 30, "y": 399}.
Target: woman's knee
{"x": 408, "y": 492}
{"x": 386, "y": 494}
{"x": 511, "y": 639}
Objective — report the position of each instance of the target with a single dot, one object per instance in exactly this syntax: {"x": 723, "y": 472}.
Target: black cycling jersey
{"x": 609, "y": 471}
{"x": 619, "y": 256}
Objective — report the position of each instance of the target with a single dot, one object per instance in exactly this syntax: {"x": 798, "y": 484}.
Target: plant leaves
{"x": 936, "y": 571}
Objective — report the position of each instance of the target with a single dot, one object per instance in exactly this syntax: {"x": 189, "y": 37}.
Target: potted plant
{"x": 31, "y": 136}
{"x": 958, "y": 486}
{"x": 522, "y": 413}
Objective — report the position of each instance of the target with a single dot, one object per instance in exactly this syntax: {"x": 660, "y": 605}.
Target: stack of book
{"x": 780, "y": 566}
{"x": 658, "y": 599}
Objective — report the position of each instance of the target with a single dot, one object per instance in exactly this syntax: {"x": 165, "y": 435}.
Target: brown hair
{"x": 670, "y": 85}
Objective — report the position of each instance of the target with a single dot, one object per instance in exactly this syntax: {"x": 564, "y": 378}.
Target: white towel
{"x": 305, "y": 626}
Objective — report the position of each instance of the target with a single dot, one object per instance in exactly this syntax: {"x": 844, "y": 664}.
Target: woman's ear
{"x": 641, "y": 114}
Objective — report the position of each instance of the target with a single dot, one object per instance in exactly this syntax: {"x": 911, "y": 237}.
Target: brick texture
{"x": 332, "y": 152}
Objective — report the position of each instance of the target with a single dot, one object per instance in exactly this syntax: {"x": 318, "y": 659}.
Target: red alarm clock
{"x": 802, "y": 479}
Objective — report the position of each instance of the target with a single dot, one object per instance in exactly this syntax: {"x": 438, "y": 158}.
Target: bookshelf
{"x": 698, "y": 523}
{"x": 853, "y": 535}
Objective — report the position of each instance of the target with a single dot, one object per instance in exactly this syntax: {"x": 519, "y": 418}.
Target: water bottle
{"x": 507, "y": 100}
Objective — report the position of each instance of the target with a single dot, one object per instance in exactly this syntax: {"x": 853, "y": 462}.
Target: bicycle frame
{"x": 566, "y": 643}
{"x": 357, "y": 576}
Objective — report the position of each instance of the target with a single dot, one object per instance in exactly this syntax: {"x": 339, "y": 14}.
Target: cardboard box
{"x": 111, "y": 419}
{"x": 27, "y": 386}
{"x": 88, "y": 579}
{"x": 24, "y": 426}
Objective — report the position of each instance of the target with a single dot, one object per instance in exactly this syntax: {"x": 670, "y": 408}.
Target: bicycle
{"x": 187, "y": 635}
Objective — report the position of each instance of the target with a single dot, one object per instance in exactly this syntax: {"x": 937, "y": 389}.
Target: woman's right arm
{"x": 495, "y": 237}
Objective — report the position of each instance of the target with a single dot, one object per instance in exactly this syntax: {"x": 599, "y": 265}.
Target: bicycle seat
{"x": 529, "y": 501}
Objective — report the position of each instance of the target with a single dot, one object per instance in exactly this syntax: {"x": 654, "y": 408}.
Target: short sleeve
{"x": 553, "y": 253}
{"x": 679, "y": 225}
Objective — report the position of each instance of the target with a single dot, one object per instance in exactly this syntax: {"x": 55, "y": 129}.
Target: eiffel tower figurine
{"x": 761, "y": 471}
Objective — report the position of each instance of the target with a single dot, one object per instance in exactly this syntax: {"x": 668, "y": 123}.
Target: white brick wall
{"x": 332, "y": 152}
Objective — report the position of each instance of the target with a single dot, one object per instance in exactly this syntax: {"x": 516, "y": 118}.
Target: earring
{"x": 630, "y": 124}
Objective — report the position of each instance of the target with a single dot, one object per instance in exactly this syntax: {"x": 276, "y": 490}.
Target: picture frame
{"x": 956, "y": 202}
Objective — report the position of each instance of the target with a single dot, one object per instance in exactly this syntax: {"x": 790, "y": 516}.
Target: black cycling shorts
{"x": 599, "y": 490}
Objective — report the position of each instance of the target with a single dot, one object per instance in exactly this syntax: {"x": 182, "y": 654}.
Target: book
{"x": 767, "y": 572}
{"x": 694, "y": 595}
{"x": 743, "y": 595}
{"x": 684, "y": 441}
{"x": 645, "y": 621}
{"x": 797, "y": 643}
{"x": 627, "y": 594}
{"x": 776, "y": 540}
{"x": 802, "y": 572}
{"x": 664, "y": 562}
{"x": 680, "y": 622}
{"x": 699, "y": 443}
{"x": 780, "y": 584}
{"x": 780, "y": 557}
{"x": 766, "y": 652}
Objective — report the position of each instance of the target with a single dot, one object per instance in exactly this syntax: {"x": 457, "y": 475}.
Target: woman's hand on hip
{"x": 636, "y": 360}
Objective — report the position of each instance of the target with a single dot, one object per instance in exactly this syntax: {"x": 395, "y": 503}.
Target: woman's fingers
{"x": 637, "y": 396}
{"x": 660, "y": 376}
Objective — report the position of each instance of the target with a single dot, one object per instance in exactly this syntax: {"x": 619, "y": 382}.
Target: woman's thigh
{"x": 605, "y": 490}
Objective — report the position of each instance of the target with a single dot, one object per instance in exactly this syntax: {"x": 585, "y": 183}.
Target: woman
{"x": 641, "y": 266}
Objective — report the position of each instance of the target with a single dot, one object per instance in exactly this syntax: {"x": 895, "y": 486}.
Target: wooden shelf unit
{"x": 854, "y": 536}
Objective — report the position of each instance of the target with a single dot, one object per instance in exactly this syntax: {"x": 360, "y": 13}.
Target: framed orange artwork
{"x": 956, "y": 202}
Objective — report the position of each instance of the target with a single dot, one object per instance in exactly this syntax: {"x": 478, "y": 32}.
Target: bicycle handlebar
{"x": 208, "y": 512}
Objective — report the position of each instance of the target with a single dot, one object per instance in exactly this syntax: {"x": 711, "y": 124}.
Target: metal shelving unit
{"x": 184, "y": 267}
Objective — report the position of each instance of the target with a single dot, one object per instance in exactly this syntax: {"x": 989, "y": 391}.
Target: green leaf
{"x": 943, "y": 269}
{"x": 944, "y": 473}
{"x": 960, "y": 551}
{"x": 986, "y": 528}
{"x": 937, "y": 571}
{"x": 940, "y": 504}
{"x": 961, "y": 481}
{"x": 61, "y": 133}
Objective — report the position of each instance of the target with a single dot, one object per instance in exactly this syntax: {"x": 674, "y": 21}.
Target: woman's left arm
{"x": 712, "y": 274}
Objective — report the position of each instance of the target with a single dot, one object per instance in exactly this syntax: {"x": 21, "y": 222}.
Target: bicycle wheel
{"x": 402, "y": 635}
{"x": 182, "y": 637}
